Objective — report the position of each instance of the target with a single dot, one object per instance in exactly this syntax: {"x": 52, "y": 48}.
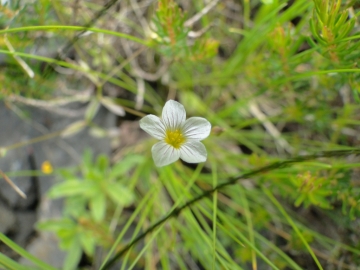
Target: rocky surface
{"x": 17, "y": 215}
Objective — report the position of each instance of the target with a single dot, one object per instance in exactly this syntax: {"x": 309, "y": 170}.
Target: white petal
{"x": 153, "y": 126}
{"x": 196, "y": 128}
{"x": 193, "y": 152}
{"x": 173, "y": 114}
{"x": 164, "y": 154}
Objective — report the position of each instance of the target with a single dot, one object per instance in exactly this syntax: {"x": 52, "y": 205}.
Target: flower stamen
{"x": 175, "y": 138}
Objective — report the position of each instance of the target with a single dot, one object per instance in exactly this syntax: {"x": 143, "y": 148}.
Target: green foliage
{"x": 296, "y": 243}
{"x": 350, "y": 198}
{"x": 331, "y": 26}
{"x": 14, "y": 77}
{"x": 337, "y": 41}
{"x": 172, "y": 39}
{"x": 88, "y": 200}
{"x": 312, "y": 190}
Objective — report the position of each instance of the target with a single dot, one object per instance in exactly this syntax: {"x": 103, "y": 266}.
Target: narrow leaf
{"x": 98, "y": 207}
{"x": 112, "y": 106}
{"x": 119, "y": 194}
{"x": 92, "y": 109}
{"x": 73, "y": 128}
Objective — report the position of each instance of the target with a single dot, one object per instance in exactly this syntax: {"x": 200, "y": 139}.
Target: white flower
{"x": 179, "y": 138}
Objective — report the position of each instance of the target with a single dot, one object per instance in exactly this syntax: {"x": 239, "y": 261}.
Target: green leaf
{"x": 73, "y": 256}
{"x": 125, "y": 165}
{"x": 2, "y": 152}
{"x": 119, "y": 194}
{"x": 98, "y": 207}
{"x": 73, "y": 128}
{"x": 98, "y": 132}
{"x": 87, "y": 158}
{"x": 55, "y": 225}
{"x": 102, "y": 163}
{"x": 299, "y": 200}
{"x": 66, "y": 174}
{"x": 67, "y": 237}
{"x": 71, "y": 188}
{"x": 92, "y": 109}
{"x": 88, "y": 243}
{"x": 68, "y": 188}
{"x": 112, "y": 106}
{"x": 76, "y": 206}
{"x": 267, "y": 2}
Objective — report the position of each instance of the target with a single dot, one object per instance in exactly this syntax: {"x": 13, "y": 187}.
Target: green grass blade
{"x": 12, "y": 265}
{"x": 293, "y": 225}
{"x": 23, "y": 253}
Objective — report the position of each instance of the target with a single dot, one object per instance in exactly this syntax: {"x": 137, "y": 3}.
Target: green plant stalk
{"x": 215, "y": 181}
{"x": 247, "y": 11}
{"x": 149, "y": 206}
{"x": 292, "y": 223}
{"x": 249, "y": 223}
{"x": 25, "y": 173}
{"x": 73, "y": 28}
{"x": 149, "y": 242}
{"x": 34, "y": 140}
{"x": 203, "y": 234}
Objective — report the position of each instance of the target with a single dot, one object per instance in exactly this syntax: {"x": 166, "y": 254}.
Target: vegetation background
{"x": 278, "y": 80}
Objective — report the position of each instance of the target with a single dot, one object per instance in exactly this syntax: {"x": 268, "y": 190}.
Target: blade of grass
{"x": 73, "y": 28}
{"x": 215, "y": 181}
{"x": 120, "y": 236}
{"x": 259, "y": 237}
{"x": 23, "y": 253}
{"x": 292, "y": 223}
{"x": 249, "y": 223}
{"x": 12, "y": 265}
{"x": 233, "y": 231}
{"x": 241, "y": 239}
{"x": 169, "y": 174}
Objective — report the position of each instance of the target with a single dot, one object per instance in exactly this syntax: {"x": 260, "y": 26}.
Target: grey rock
{"x": 14, "y": 131}
{"x": 7, "y": 219}
{"x": 25, "y": 221}
{"x": 46, "y": 248}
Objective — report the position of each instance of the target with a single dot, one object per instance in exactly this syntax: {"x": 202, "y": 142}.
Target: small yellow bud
{"x": 46, "y": 167}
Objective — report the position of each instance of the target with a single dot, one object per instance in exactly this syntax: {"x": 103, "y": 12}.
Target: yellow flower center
{"x": 175, "y": 138}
